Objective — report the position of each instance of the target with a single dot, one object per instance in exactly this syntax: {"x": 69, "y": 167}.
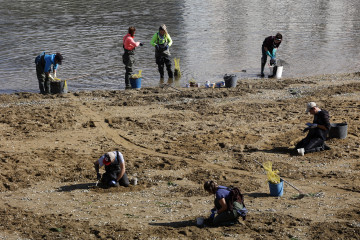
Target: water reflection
{"x": 211, "y": 38}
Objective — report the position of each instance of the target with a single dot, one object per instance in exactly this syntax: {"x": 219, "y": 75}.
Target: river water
{"x": 211, "y": 38}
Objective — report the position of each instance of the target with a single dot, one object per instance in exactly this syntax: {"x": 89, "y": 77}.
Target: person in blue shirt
{"x": 43, "y": 64}
{"x": 221, "y": 214}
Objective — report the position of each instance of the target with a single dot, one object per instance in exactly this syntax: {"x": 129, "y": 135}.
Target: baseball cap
{"x": 309, "y": 106}
{"x": 108, "y": 158}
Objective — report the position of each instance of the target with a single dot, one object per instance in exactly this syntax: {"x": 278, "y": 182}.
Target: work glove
{"x": 306, "y": 129}
{"x": 51, "y": 77}
{"x": 213, "y": 212}
{"x": 112, "y": 183}
{"x": 98, "y": 176}
{"x": 157, "y": 47}
{"x": 141, "y": 44}
{"x": 274, "y": 52}
{"x": 311, "y": 125}
{"x": 167, "y": 47}
{"x": 269, "y": 54}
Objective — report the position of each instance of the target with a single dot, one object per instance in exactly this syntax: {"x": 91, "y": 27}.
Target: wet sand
{"x": 172, "y": 141}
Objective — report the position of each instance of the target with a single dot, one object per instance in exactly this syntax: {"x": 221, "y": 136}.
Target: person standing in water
{"x": 162, "y": 41}
{"x": 43, "y": 64}
{"x": 128, "y": 57}
{"x": 269, "y": 48}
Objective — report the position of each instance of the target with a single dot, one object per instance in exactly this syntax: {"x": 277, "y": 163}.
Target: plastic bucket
{"x": 230, "y": 80}
{"x": 338, "y": 130}
{"x": 135, "y": 83}
{"x": 277, "y": 190}
{"x": 199, "y": 221}
{"x": 279, "y": 72}
{"x": 57, "y": 87}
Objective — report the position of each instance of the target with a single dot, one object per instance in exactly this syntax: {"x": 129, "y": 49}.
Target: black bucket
{"x": 230, "y": 80}
{"x": 57, "y": 87}
{"x": 338, "y": 130}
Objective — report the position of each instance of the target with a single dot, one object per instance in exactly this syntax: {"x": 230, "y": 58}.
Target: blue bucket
{"x": 277, "y": 190}
{"x": 135, "y": 83}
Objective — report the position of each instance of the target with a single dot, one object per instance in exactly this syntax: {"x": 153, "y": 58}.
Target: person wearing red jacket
{"x": 128, "y": 57}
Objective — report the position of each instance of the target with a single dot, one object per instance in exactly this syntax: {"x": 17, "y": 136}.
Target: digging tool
{"x": 291, "y": 185}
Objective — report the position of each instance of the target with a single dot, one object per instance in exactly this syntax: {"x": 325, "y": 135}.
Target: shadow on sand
{"x": 180, "y": 224}
{"x": 279, "y": 150}
{"x": 76, "y": 187}
{"x": 257, "y": 195}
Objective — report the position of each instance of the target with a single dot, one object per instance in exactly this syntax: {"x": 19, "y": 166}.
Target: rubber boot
{"x": 274, "y": 71}
{"x": 262, "y": 68}
{"x": 161, "y": 71}
{"x": 42, "y": 87}
{"x": 128, "y": 73}
{"x": 170, "y": 72}
{"x": 47, "y": 86}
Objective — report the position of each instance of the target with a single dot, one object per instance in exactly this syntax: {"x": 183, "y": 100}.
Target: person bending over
{"x": 115, "y": 174}
{"x": 222, "y": 214}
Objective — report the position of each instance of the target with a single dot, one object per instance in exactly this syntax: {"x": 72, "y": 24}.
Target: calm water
{"x": 210, "y": 37}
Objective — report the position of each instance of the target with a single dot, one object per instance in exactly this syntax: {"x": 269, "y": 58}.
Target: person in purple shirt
{"x": 269, "y": 48}
{"x": 43, "y": 64}
{"x": 222, "y": 196}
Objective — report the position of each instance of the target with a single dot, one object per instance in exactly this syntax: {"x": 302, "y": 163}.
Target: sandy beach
{"x": 174, "y": 139}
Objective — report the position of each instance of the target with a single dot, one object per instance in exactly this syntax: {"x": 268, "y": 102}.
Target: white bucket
{"x": 279, "y": 72}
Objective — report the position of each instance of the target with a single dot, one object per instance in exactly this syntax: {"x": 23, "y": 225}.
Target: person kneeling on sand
{"x": 229, "y": 204}
{"x": 318, "y": 131}
{"x": 115, "y": 174}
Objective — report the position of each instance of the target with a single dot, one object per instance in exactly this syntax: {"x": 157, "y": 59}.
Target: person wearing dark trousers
{"x": 317, "y": 131}
{"x": 129, "y": 46}
{"x": 43, "y": 64}
{"x": 221, "y": 214}
{"x": 269, "y": 48}
{"x": 162, "y": 41}
{"x": 115, "y": 173}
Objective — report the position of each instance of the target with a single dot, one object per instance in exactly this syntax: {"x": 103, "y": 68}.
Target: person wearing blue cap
{"x": 43, "y": 64}
{"x": 115, "y": 174}
{"x": 269, "y": 48}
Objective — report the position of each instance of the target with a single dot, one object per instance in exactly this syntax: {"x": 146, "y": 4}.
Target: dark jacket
{"x": 270, "y": 44}
{"x": 321, "y": 118}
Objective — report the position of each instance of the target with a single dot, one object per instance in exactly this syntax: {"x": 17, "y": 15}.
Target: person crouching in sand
{"x": 226, "y": 210}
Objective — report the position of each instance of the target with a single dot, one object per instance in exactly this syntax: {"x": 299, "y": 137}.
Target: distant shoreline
{"x": 307, "y": 78}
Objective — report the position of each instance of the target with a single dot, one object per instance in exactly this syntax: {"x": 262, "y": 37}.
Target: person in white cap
{"x": 318, "y": 131}
{"x": 115, "y": 174}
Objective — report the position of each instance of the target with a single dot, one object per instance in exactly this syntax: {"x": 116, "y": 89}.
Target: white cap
{"x": 309, "y": 106}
